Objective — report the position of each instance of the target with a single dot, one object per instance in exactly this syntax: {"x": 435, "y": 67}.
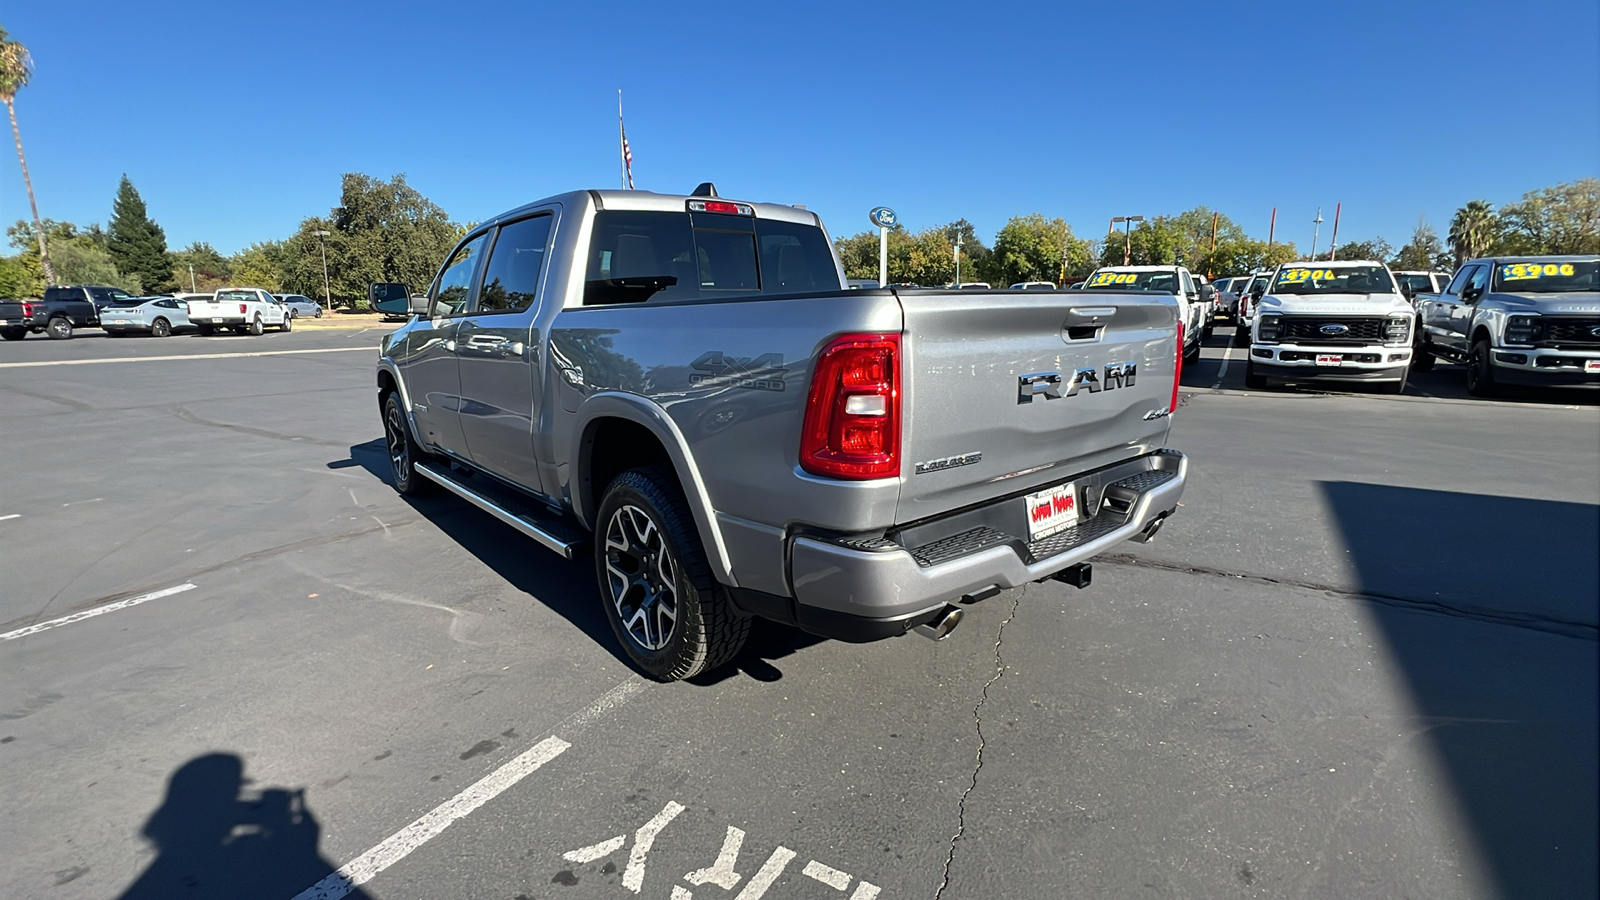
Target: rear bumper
{"x": 865, "y": 589}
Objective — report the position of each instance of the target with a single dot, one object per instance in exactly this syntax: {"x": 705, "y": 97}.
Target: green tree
{"x": 1560, "y": 219}
{"x": 380, "y": 231}
{"x": 1375, "y": 249}
{"x": 1156, "y": 242}
{"x": 929, "y": 259}
{"x": 1473, "y": 230}
{"x": 137, "y": 243}
{"x": 1194, "y": 228}
{"x": 16, "y": 69}
{"x": 80, "y": 256}
{"x": 18, "y": 279}
{"x": 1032, "y": 248}
{"x": 259, "y": 265}
{"x": 1236, "y": 257}
{"x": 1424, "y": 251}
{"x": 210, "y": 269}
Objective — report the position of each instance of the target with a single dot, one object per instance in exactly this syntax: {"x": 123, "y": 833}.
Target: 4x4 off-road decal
{"x": 759, "y": 373}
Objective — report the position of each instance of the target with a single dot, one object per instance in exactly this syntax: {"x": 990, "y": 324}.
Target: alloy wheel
{"x": 399, "y": 452}
{"x": 641, "y": 577}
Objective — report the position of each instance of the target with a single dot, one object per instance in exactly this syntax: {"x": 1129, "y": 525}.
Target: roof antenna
{"x": 706, "y": 189}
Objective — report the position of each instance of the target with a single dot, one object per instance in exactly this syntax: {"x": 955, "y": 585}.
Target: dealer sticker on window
{"x": 1052, "y": 511}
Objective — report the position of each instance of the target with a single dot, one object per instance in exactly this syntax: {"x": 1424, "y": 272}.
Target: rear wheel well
{"x": 610, "y": 447}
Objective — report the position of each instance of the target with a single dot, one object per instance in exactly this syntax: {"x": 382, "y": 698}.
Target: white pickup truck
{"x": 1331, "y": 322}
{"x": 241, "y": 309}
{"x": 1196, "y": 299}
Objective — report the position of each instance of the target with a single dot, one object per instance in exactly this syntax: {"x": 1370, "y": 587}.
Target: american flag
{"x": 627, "y": 158}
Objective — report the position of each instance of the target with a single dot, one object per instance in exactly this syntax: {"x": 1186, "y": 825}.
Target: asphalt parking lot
{"x": 1361, "y": 661}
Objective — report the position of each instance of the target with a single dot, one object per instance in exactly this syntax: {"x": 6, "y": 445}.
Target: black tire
{"x": 13, "y": 334}
{"x": 1480, "y": 371}
{"x": 205, "y": 330}
{"x": 648, "y": 555}
{"x": 161, "y": 328}
{"x": 1190, "y": 354}
{"x": 1422, "y": 355}
{"x": 319, "y": 312}
{"x": 59, "y": 328}
{"x": 288, "y": 324}
{"x": 1209, "y": 328}
{"x": 255, "y": 327}
{"x": 1251, "y": 379}
{"x": 404, "y": 452}
{"x": 1241, "y": 335}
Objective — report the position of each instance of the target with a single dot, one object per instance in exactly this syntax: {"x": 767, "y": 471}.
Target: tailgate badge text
{"x": 1048, "y": 384}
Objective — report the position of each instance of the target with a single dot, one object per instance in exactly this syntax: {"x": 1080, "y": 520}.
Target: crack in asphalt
{"x": 977, "y": 719}
{"x": 1529, "y": 621}
{"x": 265, "y": 553}
{"x": 193, "y": 419}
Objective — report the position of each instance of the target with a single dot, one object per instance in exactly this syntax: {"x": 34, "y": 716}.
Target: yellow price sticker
{"x": 1526, "y": 271}
{"x": 1114, "y": 278}
{"x": 1301, "y": 276}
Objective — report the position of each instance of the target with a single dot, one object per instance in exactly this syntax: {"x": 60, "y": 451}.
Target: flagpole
{"x": 622, "y": 161}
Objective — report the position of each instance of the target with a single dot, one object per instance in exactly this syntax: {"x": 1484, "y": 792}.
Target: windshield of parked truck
{"x": 1115, "y": 280}
{"x": 1537, "y": 276}
{"x": 1314, "y": 279}
{"x": 635, "y": 256}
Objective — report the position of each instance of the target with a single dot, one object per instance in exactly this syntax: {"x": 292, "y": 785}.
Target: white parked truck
{"x": 245, "y": 310}
{"x": 1343, "y": 321}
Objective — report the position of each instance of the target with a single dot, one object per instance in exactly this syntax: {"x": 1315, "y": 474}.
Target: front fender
{"x": 387, "y": 366}
{"x": 636, "y": 409}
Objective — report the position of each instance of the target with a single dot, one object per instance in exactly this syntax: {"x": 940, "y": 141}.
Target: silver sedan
{"x": 156, "y": 316}
{"x": 297, "y": 305}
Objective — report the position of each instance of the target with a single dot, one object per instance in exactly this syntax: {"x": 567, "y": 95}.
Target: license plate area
{"x": 1330, "y": 359}
{"x": 1591, "y": 365}
{"x": 1051, "y": 511}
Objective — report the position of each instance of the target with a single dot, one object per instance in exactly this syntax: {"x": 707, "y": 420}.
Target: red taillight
{"x": 27, "y": 310}
{"x": 1177, "y": 372}
{"x": 715, "y": 206}
{"x": 241, "y": 309}
{"x": 852, "y": 422}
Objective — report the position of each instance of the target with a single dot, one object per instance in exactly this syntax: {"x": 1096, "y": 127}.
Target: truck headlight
{"x": 1521, "y": 329}
{"x": 1267, "y": 328}
{"x": 1397, "y": 330}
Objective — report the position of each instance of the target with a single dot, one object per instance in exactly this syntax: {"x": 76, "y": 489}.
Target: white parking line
{"x": 97, "y": 611}
{"x": 1222, "y": 372}
{"x": 364, "y": 867}
{"x": 12, "y": 516}
{"x": 125, "y": 359}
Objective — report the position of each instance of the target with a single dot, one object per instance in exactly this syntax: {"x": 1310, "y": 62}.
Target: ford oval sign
{"x": 883, "y": 217}
{"x": 1334, "y": 329}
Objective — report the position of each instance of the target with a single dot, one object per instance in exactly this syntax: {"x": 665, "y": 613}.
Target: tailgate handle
{"x": 1094, "y": 312}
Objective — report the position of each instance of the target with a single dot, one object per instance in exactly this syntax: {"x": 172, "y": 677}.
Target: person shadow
{"x": 215, "y": 839}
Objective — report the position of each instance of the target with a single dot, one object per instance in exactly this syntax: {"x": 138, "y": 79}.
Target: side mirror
{"x": 1256, "y": 294}
{"x": 1207, "y": 293}
{"x": 390, "y": 298}
{"x": 1471, "y": 294}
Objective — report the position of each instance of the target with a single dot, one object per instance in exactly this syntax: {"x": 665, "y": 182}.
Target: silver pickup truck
{"x": 681, "y": 386}
{"x": 1532, "y": 320}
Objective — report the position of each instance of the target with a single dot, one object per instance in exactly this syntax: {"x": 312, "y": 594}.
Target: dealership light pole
{"x": 958, "y": 259}
{"x": 327, "y": 292}
{"x": 1316, "y": 233}
{"x": 1127, "y": 235}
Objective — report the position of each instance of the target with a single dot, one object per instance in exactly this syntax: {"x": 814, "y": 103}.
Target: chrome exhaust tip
{"x": 939, "y": 627}
{"x": 1149, "y": 532}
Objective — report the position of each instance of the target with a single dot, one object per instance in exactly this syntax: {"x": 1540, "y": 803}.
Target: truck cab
{"x": 1531, "y": 320}
{"x": 1195, "y": 298}
{"x": 1331, "y": 322}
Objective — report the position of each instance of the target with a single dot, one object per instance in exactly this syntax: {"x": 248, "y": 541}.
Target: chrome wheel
{"x": 641, "y": 577}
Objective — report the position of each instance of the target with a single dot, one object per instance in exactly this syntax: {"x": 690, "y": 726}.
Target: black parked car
{"x": 63, "y": 309}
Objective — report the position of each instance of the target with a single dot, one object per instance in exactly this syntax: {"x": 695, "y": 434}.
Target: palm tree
{"x": 16, "y": 67}
{"x": 1471, "y": 230}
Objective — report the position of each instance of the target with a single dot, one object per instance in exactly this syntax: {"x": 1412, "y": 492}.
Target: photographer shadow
{"x": 214, "y": 840}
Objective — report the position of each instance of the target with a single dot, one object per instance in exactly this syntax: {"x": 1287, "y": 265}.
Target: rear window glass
{"x": 128, "y": 301}
{"x": 662, "y": 256}
{"x": 226, "y": 296}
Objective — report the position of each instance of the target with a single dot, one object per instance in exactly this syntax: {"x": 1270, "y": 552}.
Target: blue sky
{"x": 235, "y": 120}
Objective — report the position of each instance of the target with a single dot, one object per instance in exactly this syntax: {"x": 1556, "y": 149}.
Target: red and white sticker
{"x": 1330, "y": 359}
{"x": 1051, "y": 511}
{"x": 1591, "y": 365}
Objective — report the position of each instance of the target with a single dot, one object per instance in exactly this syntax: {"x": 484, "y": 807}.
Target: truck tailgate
{"x": 1041, "y": 386}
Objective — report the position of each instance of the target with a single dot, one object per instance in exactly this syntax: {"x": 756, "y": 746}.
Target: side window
{"x": 452, "y": 288}
{"x": 1460, "y": 280}
{"x": 511, "y": 278}
{"x": 1480, "y": 278}
{"x": 1188, "y": 285}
